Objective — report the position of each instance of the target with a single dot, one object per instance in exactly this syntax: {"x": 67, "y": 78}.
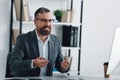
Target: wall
{"x": 4, "y": 34}
{"x": 100, "y": 17}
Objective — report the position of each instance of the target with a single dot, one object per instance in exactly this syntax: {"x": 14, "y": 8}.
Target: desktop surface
{"x": 69, "y": 77}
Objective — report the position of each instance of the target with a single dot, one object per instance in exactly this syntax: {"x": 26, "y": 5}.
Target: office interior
{"x": 99, "y": 21}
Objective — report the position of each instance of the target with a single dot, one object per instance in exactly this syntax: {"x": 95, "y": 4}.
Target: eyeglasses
{"x": 44, "y": 20}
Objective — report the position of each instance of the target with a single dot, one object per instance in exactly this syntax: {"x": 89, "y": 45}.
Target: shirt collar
{"x": 38, "y": 38}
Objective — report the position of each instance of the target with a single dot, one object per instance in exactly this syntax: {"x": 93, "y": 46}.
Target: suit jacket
{"x": 26, "y": 49}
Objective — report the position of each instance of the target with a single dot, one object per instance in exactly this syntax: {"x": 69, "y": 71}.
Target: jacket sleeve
{"x": 59, "y": 58}
{"x": 17, "y": 60}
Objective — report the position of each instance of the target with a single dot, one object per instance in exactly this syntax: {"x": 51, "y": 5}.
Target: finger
{"x": 65, "y": 65}
{"x": 44, "y": 61}
{"x": 47, "y": 60}
{"x": 43, "y": 64}
{"x": 62, "y": 65}
{"x": 66, "y": 62}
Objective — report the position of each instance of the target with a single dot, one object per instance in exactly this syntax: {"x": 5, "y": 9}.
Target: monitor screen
{"x": 114, "y": 62}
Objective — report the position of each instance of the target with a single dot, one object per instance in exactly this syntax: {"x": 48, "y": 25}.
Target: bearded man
{"x": 38, "y": 51}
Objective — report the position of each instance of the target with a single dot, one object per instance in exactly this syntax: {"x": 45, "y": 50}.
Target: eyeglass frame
{"x": 45, "y": 20}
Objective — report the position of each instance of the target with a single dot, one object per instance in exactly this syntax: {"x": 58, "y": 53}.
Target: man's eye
{"x": 51, "y": 20}
{"x": 44, "y": 20}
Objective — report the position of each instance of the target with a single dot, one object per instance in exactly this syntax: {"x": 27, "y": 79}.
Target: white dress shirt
{"x": 43, "y": 51}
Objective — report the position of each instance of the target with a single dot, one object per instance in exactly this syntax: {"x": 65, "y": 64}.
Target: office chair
{"x": 8, "y": 72}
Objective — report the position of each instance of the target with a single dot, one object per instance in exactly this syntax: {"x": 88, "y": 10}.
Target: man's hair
{"x": 41, "y": 10}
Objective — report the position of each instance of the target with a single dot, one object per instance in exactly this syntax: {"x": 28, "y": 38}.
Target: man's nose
{"x": 48, "y": 23}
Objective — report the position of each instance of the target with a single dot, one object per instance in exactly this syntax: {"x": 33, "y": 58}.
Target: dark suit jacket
{"x": 26, "y": 49}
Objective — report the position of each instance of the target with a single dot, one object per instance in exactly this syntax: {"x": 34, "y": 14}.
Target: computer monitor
{"x": 114, "y": 61}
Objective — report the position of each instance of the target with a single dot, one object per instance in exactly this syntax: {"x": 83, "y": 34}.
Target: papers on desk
{"x": 114, "y": 63}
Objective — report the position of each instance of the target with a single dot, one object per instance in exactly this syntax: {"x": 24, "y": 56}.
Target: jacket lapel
{"x": 34, "y": 43}
{"x": 50, "y": 56}
{"x": 49, "y": 50}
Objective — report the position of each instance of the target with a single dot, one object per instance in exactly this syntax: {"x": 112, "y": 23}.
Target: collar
{"x": 38, "y": 38}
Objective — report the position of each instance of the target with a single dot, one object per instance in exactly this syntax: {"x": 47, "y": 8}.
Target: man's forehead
{"x": 45, "y": 15}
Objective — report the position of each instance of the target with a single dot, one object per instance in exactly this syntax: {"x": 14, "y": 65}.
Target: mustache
{"x": 43, "y": 31}
{"x": 45, "y": 27}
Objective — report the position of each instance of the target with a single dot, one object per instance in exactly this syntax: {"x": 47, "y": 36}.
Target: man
{"x": 38, "y": 51}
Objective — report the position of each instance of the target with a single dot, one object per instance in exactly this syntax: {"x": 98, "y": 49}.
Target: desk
{"x": 61, "y": 78}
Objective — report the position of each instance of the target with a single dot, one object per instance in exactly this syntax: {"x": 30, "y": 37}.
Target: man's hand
{"x": 40, "y": 62}
{"x": 65, "y": 64}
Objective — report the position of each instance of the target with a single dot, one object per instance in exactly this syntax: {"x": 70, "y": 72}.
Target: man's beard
{"x": 45, "y": 30}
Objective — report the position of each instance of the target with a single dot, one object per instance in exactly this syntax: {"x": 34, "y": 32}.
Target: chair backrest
{"x": 8, "y": 72}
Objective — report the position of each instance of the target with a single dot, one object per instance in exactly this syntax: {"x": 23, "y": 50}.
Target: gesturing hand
{"x": 40, "y": 62}
{"x": 65, "y": 64}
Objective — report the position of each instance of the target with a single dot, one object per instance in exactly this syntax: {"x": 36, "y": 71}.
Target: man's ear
{"x": 34, "y": 21}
